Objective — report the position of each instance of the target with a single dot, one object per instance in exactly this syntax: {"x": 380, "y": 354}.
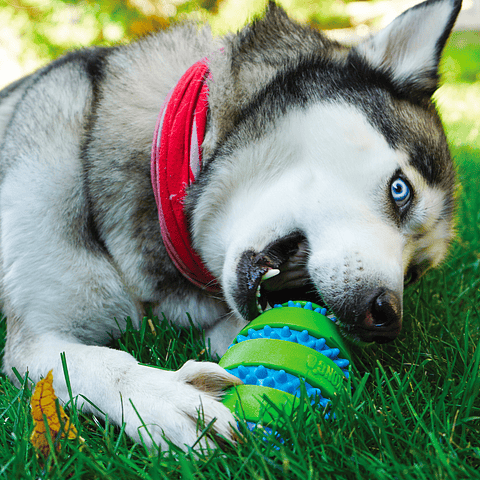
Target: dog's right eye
{"x": 401, "y": 191}
{"x": 411, "y": 277}
{"x": 415, "y": 272}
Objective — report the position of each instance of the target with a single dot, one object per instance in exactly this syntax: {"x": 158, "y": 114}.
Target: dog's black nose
{"x": 383, "y": 318}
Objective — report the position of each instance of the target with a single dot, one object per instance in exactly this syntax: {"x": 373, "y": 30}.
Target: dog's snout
{"x": 383, "y": 319}
{"x": 385, "y": 308}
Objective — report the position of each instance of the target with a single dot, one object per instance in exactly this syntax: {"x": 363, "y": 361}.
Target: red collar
{"x": 176, "y": 161}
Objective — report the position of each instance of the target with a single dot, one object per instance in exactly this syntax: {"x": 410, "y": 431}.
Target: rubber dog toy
{"x": 287, "y": 343}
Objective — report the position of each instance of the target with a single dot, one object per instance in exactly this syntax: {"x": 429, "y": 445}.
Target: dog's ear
{"x": 408, "y": 50}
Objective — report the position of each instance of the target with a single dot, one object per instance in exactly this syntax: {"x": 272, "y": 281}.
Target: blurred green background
{"x": 35, "y": 31}
{"x": 32, "y": 32}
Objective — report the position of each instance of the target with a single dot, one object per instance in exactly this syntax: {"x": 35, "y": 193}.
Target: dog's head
{"x": 328, "y": 176}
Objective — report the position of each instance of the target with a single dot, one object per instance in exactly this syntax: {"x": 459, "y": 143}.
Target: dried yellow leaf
{"x": 43, "y": 404}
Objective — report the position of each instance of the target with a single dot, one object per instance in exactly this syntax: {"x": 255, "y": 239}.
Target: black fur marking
{"x": 94, "y": 63}
{"x": 92, "y": 60}
{"x": 356, "y": 83}
{"x": 9, "y": 89}
{"x": 426, "y": 161}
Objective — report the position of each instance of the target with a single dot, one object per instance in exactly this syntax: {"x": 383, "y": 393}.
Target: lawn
{"x": 413, "y": 412}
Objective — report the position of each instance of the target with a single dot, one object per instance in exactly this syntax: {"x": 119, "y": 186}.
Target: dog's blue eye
{"x": 401, "y": 192}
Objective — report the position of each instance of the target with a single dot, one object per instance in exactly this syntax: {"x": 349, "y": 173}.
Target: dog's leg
{"x": 66, "y": 298}
{"x": 153, "y": 403}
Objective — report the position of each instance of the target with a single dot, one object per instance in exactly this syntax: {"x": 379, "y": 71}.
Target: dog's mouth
{"x": 275, "y": 275}
{"x": 279, "y": 273}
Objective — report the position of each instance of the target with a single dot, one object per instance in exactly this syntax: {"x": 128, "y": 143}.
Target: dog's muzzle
{"x": 279, "y": 273}
{"x": 370, "y": 315}
{"x": 382, "y": 320}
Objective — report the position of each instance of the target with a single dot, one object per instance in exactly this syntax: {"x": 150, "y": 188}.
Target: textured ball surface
{"x": 284, "y": 347}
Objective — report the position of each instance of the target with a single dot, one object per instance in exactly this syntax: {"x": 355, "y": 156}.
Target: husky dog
{"x": 326, "y": 175}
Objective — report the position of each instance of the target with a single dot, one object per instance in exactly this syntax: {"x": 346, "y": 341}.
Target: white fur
{"x": 341, "y": 168}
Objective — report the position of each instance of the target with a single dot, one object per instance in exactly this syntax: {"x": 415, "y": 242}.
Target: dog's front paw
{"x": 168, "y": 405}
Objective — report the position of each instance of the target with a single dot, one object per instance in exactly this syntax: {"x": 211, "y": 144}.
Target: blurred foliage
{"x": 459, "y": 97}
{"x": 461, "y": 59}
{"x": 35, "y": 31}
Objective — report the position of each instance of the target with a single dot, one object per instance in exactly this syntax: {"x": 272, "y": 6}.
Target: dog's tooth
{"x": 258, "y": 294}
{"x": 268, "y": 307}
{"x": 273, "y": 272}
{"x": 259, "y": 308}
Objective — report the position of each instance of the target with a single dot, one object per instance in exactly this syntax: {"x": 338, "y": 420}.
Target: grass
{"x": 414, "y": 411}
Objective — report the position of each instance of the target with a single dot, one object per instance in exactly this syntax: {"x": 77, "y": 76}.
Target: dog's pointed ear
{"x": 409, "y": 49}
